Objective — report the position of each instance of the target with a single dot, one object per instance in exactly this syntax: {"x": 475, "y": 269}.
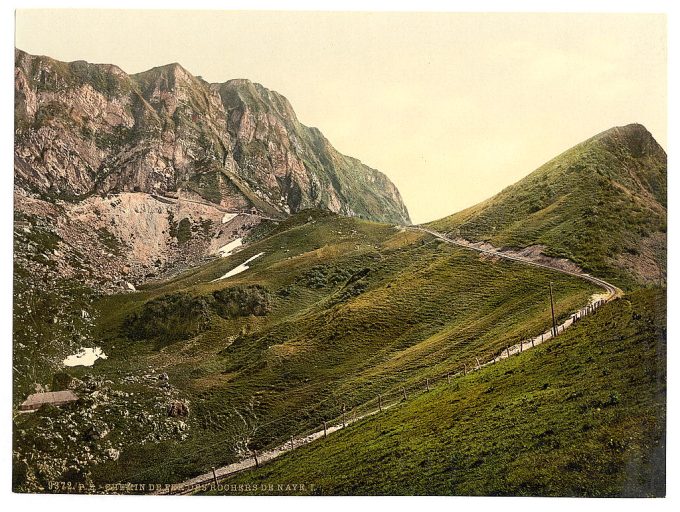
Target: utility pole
{"x": 552, "y": 309}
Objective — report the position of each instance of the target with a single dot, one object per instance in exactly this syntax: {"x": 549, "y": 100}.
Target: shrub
{"x": 242, "y": 301}
{"x": 184, "y": 230}
{"x": 170, "y": 317}
{"x": 180, "y": 316}
{"x": 61, "y": 381}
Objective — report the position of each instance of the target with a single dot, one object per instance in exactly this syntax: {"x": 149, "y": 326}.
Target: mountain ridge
{"x": 163, "y": 129}
{"x": 601, "y": 203}
{"x": 331, "y": 312}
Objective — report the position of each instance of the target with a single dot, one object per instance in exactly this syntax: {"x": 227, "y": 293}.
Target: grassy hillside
{"x": 583, "y": 415}
{"x": 601, "y": 204}
{"x": 336, "y": 311}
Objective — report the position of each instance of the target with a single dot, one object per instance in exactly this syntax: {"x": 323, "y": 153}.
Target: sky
{"x": 453, "y": 107}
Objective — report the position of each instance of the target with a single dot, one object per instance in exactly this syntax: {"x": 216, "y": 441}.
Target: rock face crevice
{"x": 91, "y": 129}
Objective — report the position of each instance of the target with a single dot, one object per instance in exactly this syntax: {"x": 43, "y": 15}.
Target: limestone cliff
{"x": 91, "y": 129}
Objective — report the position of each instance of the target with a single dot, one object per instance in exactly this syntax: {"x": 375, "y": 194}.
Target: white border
{"x": 52, "y": 503}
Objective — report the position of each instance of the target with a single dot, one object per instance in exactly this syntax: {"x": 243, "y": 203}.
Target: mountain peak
{"x": 172, "y": 67}
{"x": 601, "y": 204}
{"x": 634, "y": 136}
{"x": 236, "y": 144}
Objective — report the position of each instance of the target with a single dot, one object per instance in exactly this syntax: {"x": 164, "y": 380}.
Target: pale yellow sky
{"x": 452, "y": 107}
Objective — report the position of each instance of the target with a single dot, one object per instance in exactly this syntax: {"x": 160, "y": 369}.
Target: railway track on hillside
{"x": 612, "y": 291}
{"x": 207, "y": 480}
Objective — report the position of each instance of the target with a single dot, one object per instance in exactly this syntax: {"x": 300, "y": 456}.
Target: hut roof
{"x": 37, "y": 400}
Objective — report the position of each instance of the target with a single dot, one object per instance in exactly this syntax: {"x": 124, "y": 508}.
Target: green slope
{"x": 337, "y": 310}
{"x": 583, "y": 415}
{"x": 601, "y": 204}
{"x": 353, "y": 309}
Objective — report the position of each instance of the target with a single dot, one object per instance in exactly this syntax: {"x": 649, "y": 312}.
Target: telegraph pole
{"x": 552, "y": 309}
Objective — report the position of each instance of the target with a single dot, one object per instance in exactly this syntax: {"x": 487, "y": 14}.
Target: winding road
{"x": 179, "y": 200}
{"x": 204, "y": 481}
{"x": 612, "y": 291}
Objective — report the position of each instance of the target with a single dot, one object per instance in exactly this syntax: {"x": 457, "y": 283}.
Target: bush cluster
{"x": 179, "y": 316}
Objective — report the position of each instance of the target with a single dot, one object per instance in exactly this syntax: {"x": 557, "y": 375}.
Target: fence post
{"x": 532, "y": 343}
{"x": 479, "y": 366}
{"x": 325, "y": 432}
{"x": 552, "y": 310}
{"x": 427, "y": 384}
{"x": 507, "y": 350}
{"x": 214, "y": 476}
{"x": 464, "y": 369}
{"x": 521, "y": 346}
{"x": 404, "y": 390}
{"x": 257, "y": 462}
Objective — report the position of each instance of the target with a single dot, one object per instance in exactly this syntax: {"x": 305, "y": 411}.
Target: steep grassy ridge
{"x": 357, "y": 308}
{"x": 601, "y": 204}
{"x": 583, "y": 415}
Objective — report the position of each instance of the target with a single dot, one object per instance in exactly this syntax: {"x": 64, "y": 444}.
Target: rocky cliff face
{"x": 90, "y": 130}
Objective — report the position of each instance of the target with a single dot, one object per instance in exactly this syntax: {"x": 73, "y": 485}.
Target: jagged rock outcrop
{"x": 90, "y": 129}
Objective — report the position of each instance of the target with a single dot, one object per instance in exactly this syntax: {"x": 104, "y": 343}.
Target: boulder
{"x": 178, "y": 409}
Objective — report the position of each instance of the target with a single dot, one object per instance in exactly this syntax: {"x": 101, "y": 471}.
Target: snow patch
{"x": 228, "y": 216}
{"x": 237, "y": 270}
{"x": 226, "y": 250}
{"x": 86, "y": 357}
